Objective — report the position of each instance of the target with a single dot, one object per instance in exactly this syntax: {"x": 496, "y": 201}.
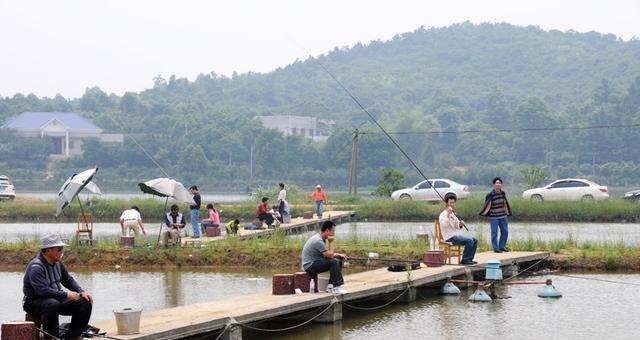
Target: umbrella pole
{"x": 164, "y": 211}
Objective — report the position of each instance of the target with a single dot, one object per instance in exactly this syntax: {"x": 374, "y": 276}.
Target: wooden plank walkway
{"x": 297, "y": 224}
{"x": 206, "y": 317}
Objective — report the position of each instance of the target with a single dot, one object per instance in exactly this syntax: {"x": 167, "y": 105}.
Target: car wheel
{"x": 587, "y": 198}
{"x": 537, "y": 198}
{"x": 405, "y": 197}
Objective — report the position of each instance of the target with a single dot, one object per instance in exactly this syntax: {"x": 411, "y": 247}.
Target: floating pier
{"x": 229, "y": 316}
{"x": 297, "y": 225}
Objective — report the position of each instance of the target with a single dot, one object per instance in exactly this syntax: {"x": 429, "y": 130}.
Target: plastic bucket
{"x": 128, "y": 320}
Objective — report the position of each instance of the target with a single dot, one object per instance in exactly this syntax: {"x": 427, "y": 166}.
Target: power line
{"x": 563, "y": 128}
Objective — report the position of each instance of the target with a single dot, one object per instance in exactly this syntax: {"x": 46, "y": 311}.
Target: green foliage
{"x": 480, "y": 77}
{"x": 390, "y": 181}
{"x": 533, "y": 176}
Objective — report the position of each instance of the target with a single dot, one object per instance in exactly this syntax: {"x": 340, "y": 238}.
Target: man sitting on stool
{"x": 450, "y": 226}
{"x": 43, "y": 294}
{"x": 173, "y": 224}
{"x": 317, "y": 257}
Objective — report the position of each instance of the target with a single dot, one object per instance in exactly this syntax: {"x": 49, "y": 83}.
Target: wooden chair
{"x": 450, "y": 250}
{"x": 84, "y": 232}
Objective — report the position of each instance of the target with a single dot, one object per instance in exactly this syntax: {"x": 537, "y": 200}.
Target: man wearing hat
{"x": 45, "y": 297}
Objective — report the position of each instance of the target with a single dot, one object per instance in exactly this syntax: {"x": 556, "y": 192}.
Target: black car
{"x": 632, "y": 195}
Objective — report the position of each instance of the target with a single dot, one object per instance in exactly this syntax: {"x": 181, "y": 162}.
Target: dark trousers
{"x": 266, "y": 217}
{"x": 281, "y": 211}
{"x": 334, "y": 266}
{"x": 50, "y": 309}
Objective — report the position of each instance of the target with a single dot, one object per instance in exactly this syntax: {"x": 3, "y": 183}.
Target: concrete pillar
{"x": 511, "y": 270}
{"x": 331, "y": 315}
{"x": 232, "y": 333}
{"x": 66, "y": 143}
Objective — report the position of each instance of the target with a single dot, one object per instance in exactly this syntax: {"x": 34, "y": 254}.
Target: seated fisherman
{"x": 318, "y": 257}
{"x": 173, "y": 224}
{"x": 262, "y": 212}
{"x": 45, "y": 297}
{"x": 451, "y": 227}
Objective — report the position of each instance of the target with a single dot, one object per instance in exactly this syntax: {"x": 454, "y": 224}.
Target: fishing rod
{"x": 415, "y": 166}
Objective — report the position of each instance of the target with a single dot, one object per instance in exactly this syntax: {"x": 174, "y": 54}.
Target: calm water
{"x": 588, "y": 310}
{"x": 628, "y": 233}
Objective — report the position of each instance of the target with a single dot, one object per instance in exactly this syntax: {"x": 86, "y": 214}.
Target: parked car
{"x": 7, "y": 190}
{"x": 424, "y": 190}
{"x": 568, "y": 189}
{"x": 632, "y": 195}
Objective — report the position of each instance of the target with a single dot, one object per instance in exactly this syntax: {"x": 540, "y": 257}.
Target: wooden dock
{"x": 232, "y": 314}
{"x": 296, "y": 225}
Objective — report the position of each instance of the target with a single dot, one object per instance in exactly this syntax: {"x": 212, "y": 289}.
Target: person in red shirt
{"x": 262, "y": 212}
{"x": 321, "y": 199}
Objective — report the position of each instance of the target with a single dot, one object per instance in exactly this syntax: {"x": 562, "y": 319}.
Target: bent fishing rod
{"x": 415, "y": 166}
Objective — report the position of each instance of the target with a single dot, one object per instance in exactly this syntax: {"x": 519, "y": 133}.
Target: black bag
{"x": 403, "y": 267}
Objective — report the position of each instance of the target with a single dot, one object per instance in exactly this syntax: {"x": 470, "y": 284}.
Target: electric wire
{"x": 138, "y": 144}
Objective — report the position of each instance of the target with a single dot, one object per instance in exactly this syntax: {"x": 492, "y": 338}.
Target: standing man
{"x": 318, "y": 257}
{"x": 451, "y": 227}
{"x": 195, "y": 211}
{"x": 282, "y": 198}
{"x": 131, "y": 222}
{"x": 173, "y": 224}
{"x": 45, "y": 297}
{"x": 496, "y": 208}
{"x": 321, "y": 199}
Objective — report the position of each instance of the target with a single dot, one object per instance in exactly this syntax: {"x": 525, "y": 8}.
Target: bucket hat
{"x": 51, "y": 241}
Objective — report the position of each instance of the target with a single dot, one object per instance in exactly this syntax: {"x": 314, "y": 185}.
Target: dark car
{"x": 633, "y": 195}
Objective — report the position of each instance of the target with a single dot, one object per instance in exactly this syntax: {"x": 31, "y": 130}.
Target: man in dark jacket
{"x": 43, "y": 294}
{"x": 496, "y": 208}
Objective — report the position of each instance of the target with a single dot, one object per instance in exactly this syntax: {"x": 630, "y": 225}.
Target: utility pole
{"x": 353, "y": 176}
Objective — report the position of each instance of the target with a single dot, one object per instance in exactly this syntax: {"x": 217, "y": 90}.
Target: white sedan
{"x": 568, "y": 189}
{"x": 425, "y": 190}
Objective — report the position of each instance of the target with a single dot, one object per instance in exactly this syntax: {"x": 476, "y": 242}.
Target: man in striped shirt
{"x": 496, "y": 208}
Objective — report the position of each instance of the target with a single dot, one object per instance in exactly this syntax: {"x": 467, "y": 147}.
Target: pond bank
{"x": 108, "y": 210}
{"x": 285, "y": 259}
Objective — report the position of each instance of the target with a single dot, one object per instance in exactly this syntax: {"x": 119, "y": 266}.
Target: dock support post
{"x": 511, "y": 270}
{"x": 232, "y": 333}
{"x": 333, "y": 314}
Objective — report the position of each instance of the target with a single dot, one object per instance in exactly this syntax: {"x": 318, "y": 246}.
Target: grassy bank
{"x": 614, "y": 210}
{"x": 284, "y": 252}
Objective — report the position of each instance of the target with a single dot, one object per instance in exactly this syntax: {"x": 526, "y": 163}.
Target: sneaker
{"x": 468, "y": 262}
{"x": 505, "y": 250}
{"x": 497, "y": 251}
{"x": 329, "y": 288}
{"x": 339, "y": 290}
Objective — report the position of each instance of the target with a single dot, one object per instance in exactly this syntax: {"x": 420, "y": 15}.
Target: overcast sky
{"x": 50, "y": 47}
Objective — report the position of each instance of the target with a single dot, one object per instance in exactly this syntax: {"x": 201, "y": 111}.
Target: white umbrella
{"x": 93, "y": 188}
{"x": 72, "y": 187}
{"x": 167, "y": 187}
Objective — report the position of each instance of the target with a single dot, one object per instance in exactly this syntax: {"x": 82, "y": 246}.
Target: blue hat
{"x": 51, "y": 241}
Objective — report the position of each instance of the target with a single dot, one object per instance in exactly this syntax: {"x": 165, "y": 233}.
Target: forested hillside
{"x": 529, "y": 83}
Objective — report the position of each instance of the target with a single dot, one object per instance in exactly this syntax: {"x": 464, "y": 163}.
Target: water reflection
{"x": 626, "y": 233}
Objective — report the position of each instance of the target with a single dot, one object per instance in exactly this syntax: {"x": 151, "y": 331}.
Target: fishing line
{"x": 597, "y": 279}
{"x": 373, "y": 119}
{"x": 138, "y": 144}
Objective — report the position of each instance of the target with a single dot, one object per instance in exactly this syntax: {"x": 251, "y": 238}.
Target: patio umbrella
{"x": 166, "y": 187}
{"x": 71, "y": 187}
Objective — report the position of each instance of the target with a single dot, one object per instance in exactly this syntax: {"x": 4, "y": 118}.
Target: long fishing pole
{"x": 415, "y": 166}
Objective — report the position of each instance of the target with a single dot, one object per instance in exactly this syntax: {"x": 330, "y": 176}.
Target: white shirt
{"x": 282, "y": 195}
{"x": 130, "y": 214}
{"x": 449, "y": 225}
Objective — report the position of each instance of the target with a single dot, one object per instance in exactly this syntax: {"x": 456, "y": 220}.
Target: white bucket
{"x": 128, "y": 320}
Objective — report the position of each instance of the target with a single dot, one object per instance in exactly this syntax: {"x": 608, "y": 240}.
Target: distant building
{"x": 66, "y": 130}
{"x": 299, "y": 125}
